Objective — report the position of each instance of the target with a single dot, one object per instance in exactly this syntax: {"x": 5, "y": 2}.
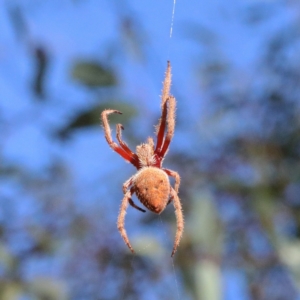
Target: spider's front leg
{"x": 124, "y": 146}
{"x": 171, "y": 125}
{"x": 160, "y": 128}
{"x": 130, "y": 157}
{"x": 168, "y": 107}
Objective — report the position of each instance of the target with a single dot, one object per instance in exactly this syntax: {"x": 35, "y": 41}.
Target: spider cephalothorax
{"x": 151, "y": 183}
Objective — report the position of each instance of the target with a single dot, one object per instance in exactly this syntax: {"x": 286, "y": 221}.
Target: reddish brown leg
{"x": 124, "y": 145}
{"x": 171, "y": 125}
{"x": 108, "y": 137}
{"x": 121, "y": 218}
{"x": 179, "y": 218}
{"x": 160, "y": 129}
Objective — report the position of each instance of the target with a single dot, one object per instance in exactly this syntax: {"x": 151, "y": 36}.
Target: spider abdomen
{"x": 152, "y": 188}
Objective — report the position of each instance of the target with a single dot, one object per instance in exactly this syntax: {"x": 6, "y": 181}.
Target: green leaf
{"x": 93, "y": 74}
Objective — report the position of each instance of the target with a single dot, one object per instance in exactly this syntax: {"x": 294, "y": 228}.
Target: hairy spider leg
{"x": 166, "y": 85}
{"x": 111, "y": 143}
{"x": 126, "y": 185}
{"x": 164, "y": 97}
{"x": 179, "y": 218}
{"x": 177, "y": 181}
{"x": 161, "y": 129}
{"x": 121, "y": 218}
{"x": 171, "y": 126}
{"x": 120, "y": 127}
{"x": 176, "y": 176}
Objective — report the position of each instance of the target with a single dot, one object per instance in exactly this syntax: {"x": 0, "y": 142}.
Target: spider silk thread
{"x": 171, "y": 27}
{"x": 172, "y": 20}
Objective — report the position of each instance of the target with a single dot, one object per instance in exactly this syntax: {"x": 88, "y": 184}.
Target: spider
{"x": 151, "y": 182}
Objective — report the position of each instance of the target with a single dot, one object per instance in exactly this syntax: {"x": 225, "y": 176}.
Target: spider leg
{"x": 124, "y": 146}
{"x": 121, "y": 218}
{"x": 111, "y": 143}
{"x": 171, "y": 125}
{"x": 126, "y": 185}
{"x": 180, "y": 220}
{"x": 166, "y": 84}
{"x": 160, "y": 128}
{"x": 176, "y": 176}
{"x": 135, "y": 206}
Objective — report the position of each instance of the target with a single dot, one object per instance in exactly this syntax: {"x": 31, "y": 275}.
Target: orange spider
{"x": 151, "y": 183}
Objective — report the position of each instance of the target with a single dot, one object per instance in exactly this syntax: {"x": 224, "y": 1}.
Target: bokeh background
{"x": 236, "y": 78}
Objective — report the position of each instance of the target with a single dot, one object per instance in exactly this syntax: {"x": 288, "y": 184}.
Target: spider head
{"x": 145, "y": 153}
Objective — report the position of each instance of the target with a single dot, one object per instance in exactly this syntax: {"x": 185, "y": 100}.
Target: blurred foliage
{"x": 93, "y": 74}
{"x": 265, "y": 144}
{"x": 91, "y": 117}
{"x": 41, "y": 59}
